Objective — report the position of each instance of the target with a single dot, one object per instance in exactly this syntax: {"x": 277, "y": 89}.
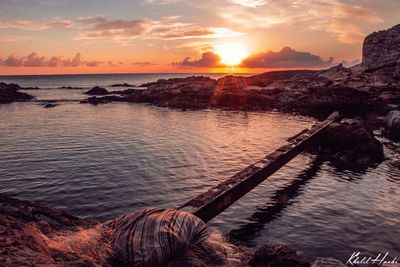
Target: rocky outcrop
{"x": 30, "y": 235}
{"x": 122, "y": 85}
{"x": 351, "y": 145}
{"x": 97, "y": 91}
{"x": 10, "y": 93}
{"x": 277, "y": 255}
{"x": 381, "y": 48}
{"x": 392, "y": 124}
{"x": 381, "y": 53}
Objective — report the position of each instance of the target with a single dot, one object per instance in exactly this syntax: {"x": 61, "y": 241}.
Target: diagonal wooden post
{"x": 218, "y": 198}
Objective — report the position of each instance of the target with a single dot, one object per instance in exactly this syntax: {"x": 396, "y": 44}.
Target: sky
{"x": 138, "y": 36}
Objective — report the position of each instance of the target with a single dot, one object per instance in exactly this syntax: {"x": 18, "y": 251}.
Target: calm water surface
{"x": 102, "y": 161}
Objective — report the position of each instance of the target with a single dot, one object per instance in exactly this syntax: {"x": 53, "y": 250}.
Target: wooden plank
{"x": 211, "y": 203}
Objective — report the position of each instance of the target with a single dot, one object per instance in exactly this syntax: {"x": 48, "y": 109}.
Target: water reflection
{"x": 271, "y": 210}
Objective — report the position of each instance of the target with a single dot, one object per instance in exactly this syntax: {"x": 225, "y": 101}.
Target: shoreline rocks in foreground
{"x": 35, "y": 234}
{"x": 10, "y": 93}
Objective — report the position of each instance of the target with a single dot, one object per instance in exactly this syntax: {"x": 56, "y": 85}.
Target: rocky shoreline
{"x": 29, "y": 230}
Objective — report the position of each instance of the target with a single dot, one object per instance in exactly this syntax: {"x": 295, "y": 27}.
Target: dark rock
{"x": 26, "y": 229}
{"x": 381, "y": 48}
{"x": 50, "y": 105}
{"x": 392, "y": 124}
{"x": 10, "y": 93}
{"x": 122, "y": 85}
{"x": 104, "y": 100}
{"x": 277, "y": 256}
{"x": 351, "y": 145}
{"x": 97, "y": 91}
{"x": 127, "y": 92}
{"x": 70, "y": 87}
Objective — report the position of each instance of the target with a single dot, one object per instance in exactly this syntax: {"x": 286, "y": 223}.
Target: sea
{"x": 106, "y": 160}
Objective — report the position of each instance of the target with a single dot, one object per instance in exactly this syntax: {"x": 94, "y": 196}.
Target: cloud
{"x": 98, "y": 27}
{"x": 28, "y": 25}
{"x": 143, "y": 63}
{"x": 14, "y": 38}
{"x": 286, "y": 58}
{"x": 344, "y": 21}
{"x": 34, "y": 60}
{"x": 249, "y": 3}
{"x": 207, "y": 60}
{"x": 167, "y": 28}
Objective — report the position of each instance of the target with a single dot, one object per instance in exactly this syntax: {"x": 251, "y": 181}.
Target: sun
{"x": 231, "y": 54}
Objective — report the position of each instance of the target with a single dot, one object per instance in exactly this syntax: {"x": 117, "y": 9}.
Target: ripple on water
{"x": 107, "y": 160}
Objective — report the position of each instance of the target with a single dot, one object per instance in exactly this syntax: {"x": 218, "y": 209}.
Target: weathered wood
{"x": 211, "y": 203}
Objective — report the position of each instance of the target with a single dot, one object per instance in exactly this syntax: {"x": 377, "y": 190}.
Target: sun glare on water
{"x": 232, "y": 54}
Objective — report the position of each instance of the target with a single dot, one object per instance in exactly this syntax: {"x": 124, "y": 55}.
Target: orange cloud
{"x": 343, "y": 20}
{"x": 36, "y": 25}
{"x": 207, "y": 60}
{"x": 286, "y": 58}
{"x": 34, "y": 60}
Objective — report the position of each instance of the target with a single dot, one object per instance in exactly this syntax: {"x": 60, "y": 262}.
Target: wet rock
{"x": 122, "y": 85}
{"x": 97, "y": 91}
{"x": 50, "y": 105}
{"x": 10, "y": 93}
{"x": 351, "y": 145}
{"x": 102, "y": 100}
{"x": 70, "y": 87}
{"x": 127, "y": 92}
{"x": 392, "y": 123}
{"x": 277, "y": 256}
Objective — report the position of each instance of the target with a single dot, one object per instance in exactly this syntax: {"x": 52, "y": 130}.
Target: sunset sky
{"x": 125, "y": 36}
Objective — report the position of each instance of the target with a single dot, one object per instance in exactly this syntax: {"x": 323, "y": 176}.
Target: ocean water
{"x": 106, "y": 160}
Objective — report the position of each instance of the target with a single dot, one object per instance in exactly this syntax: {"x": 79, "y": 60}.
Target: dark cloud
{"x": 286, "y": 58}
{"x": 34, "y": 60}
{"x": 207, "y": 60}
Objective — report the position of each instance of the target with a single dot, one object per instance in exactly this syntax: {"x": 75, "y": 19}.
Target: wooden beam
{"x": 211, "y": 203}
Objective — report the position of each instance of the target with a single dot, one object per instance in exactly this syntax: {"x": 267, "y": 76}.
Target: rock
{"x": 70, "y": 87}
{"x": 25, "y": 230}
{"x": 97, "y": 91}
{"x": 338, "y": 72}
{"x": 10, "y": 93}
{"x": 381, "y": 54}
{"x": 327, "y": 262}
{"x": 122, "y": 85}
{"x": 50, "y": 105}
{"x": 381, "y": 48}
{"x": 277, "y": 256}
{"x": 127, "y": 92}
{"x": 351, "y": 145}
{"x": 392, "y": 123}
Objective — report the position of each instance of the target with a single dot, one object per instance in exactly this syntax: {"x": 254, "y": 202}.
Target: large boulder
{"x": 392, "y": 123}
{"x": 97, "y": 91}
{"x": 277, "y": 256}
{"x": 10, "y": 93}
{"x": 381, "y": 53}
{"x": 351, "y": 145}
